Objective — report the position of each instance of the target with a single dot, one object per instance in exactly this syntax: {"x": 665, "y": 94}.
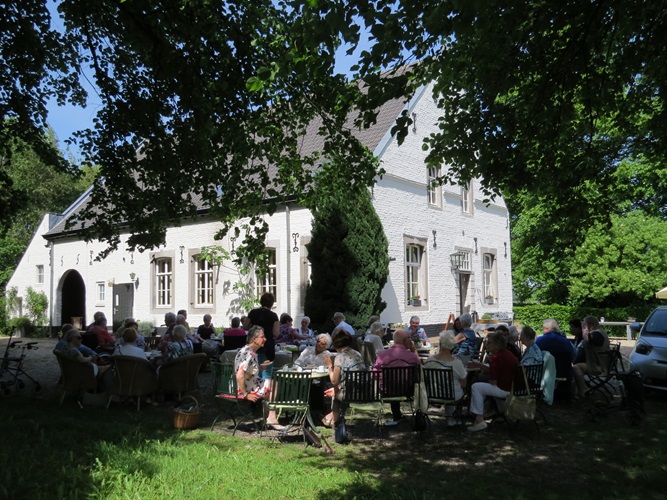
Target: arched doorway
{"x": 73, "y": 292}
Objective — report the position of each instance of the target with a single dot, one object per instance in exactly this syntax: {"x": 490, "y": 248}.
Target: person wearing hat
{"x": 444, "y": 359}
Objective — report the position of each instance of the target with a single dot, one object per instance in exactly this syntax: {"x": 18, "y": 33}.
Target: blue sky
{"x": 65, "y": 120}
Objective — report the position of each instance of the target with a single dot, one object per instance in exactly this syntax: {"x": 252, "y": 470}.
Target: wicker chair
{"x": 77, "y": 377}
{"x": 180, "y": 375}
{"x": 134, "y": 377}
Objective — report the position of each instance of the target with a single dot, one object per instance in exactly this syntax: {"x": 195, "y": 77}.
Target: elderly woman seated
{"x": 73, "y": 338}
{"x": 347, "y": 358}
{"x": 129, "y": 346}
{"x": 501, "y": 374}
{"x": 444, "y": 357}
{"x": 314, "y": 355}
{"x": 179, "y": 345}
{"x": 374, "y": 336}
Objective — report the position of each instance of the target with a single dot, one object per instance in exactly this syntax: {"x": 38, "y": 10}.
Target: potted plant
{"x": 488, "y": 299}
{"x": 415, "y": 300}
{"x": 487, "y": 319}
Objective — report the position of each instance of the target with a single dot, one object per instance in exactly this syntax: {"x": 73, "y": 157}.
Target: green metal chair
{"x": 226, "y": 394}
{"x": 361, "y": 394}
{"x": 290, "y": 393}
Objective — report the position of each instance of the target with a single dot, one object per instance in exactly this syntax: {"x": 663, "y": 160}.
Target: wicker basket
{"x": 186, "y": 419}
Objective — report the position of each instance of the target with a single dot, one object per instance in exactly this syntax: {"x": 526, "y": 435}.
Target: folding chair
{"x": 226, "y": 394}
{"x": 602, "y": 382}
{"x": 398, "y": 384}
{"x": 439, "y": 382}
{"x": 361, "y": 393}
{"x": 290, "y": 392}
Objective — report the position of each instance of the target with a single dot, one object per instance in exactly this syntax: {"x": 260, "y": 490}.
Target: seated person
{"x": 444, "y": 357}
{"x": 62, "y": 344}
{"x": 247, "y": 368}
{"x": 347, "y": 358}
{"x": 129, "y": 347}
{"x": 467, "y": 339}
{"x": 305, "y": 332}
{"x": 501, "y": 374}
{"x": 73, "y": 338}
{"x": 561, "y": 349}
{"x": 286, "y": 333}
{"x": 314, "y": 355}
{"x": 533, "y": 354}
{"x": 206, "y": 330}
{"x": 235, "y": 330}
{"x": 595, "y": 340}
{"x": 401, "y": 353}
{"x": 374, "y": 336}
{"x": 416, "y": 331}
{"x": 179, "y": 345}
{"x": 509, "y": 345}
{"x": 105, "y": 341}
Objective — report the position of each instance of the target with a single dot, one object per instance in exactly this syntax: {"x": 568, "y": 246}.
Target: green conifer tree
{"x": 350, "y": 260}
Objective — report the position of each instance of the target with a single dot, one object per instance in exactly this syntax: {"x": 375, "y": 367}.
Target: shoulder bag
{"x": 520, "y": 407}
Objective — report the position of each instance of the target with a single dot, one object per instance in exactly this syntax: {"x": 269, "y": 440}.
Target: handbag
{"x": 340, "y": 434}
{"x": 420, "y": 397}
{"x": 520, "y": 407}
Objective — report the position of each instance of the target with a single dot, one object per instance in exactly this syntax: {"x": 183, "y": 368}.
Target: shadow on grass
{"x": 51, "y": 451}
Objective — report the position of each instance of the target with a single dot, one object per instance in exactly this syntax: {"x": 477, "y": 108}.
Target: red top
{"x": 501, "y": 369}
{"x": 235, "y": 332}
{"x": 104, "y": 338}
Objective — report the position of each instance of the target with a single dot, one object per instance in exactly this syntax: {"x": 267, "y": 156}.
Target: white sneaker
{"x": 391, "y": 423}
{"x": 479, "y": 426}
{"x": 452, "y": 422}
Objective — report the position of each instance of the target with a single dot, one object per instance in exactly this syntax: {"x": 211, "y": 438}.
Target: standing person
{"x": 402, "y": 351}
{"x": 263, "y": 316}
{"x": 417, "y": 331}
{"x": 595, "y": 341}
{"x": 501, "y": 374}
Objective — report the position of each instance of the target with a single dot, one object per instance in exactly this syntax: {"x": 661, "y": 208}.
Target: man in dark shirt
{"x": 263, "y": 316}
{"x": 559, "y": 346}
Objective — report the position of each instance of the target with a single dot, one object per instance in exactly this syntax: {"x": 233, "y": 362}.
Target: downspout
{"x": 289, "y": 260}
{"x": 50, "y": 288}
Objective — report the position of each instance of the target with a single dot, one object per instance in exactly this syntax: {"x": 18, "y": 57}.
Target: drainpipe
{"x": 289, "y": 260}
{"x": 50, "y": 244}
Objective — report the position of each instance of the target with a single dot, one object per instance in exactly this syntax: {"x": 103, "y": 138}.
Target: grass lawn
{"x": 50, "y": 451}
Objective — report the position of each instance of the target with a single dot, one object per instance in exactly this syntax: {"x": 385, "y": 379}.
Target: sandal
{"x": 327, "y": 423}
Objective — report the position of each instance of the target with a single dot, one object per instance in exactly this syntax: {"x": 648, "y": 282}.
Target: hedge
{"x": 534, "y": 315}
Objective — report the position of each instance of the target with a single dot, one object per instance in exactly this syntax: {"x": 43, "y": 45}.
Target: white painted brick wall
{"x": 401, "y": 201}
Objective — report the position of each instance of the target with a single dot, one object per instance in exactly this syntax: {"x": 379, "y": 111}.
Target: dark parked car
{"x": 650, "y": 353}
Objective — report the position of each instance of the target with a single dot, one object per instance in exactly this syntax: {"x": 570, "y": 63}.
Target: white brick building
{"x": 445, "y": 246}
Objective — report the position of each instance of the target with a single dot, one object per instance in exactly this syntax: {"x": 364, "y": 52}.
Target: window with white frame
{"x": 466, "y": 198}
{"x": 101, "y": 292}
{"x": 163, "y": 282}
{"x": 489, "y": 266}
{"x": 266, "y": 280}
{"x": 203, "y": 282}
{"x": 416, "y": 278}
{"x": 465, "y": 261}
{"x": 40, "y": 274}
{"x": 434, "y": 191}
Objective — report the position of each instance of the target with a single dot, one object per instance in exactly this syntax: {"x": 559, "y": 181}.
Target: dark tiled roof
{"x": 311, "y": 142}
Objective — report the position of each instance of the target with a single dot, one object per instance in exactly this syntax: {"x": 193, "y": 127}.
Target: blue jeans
{"x": 268, "y": 373}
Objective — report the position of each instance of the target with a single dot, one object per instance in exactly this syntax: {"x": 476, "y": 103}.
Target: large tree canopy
{"x": 538, "y": 97}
